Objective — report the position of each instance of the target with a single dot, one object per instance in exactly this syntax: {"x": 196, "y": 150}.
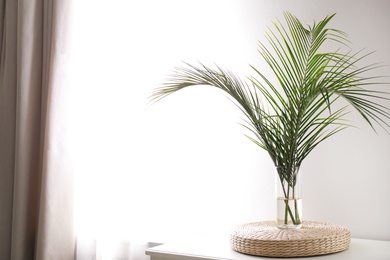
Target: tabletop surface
{"x": 359, "y": 249}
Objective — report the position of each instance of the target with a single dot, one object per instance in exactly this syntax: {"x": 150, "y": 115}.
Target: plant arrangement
{"x": 290, "y": 114}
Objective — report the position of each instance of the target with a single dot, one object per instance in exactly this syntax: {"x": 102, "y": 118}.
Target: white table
{"x": 360, "y": 249}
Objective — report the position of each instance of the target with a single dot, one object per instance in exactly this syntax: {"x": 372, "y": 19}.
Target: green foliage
{"x": 290, "y": 117}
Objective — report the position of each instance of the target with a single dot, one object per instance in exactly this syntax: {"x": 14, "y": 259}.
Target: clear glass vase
{"x": 288, "y": 196}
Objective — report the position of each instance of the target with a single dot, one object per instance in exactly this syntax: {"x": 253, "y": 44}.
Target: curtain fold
{"x": 7, "y": 123}
{"x": 35, "y": 189}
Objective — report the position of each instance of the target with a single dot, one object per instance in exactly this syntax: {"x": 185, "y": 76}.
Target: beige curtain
{"x": 36, "y": 208}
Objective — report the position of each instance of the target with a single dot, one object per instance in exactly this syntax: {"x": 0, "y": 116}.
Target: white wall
{"x": 187, "y": 164}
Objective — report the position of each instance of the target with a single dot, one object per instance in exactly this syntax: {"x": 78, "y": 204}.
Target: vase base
{"x": 288, "y": 226}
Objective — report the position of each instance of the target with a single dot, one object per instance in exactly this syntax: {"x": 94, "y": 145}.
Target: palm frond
{"x": 291, "y": 116}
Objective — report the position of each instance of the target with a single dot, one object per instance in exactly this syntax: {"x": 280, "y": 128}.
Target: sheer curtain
{"x": 129, "y": 190}
{"x": 36, "y": 201}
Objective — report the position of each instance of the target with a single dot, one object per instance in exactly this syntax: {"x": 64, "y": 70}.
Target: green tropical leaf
{"x": 290, "y": 116}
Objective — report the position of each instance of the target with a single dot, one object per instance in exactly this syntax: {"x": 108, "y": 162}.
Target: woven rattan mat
{"x": 265, "y": 239}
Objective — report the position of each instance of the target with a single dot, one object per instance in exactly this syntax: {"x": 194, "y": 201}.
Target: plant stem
{"x": 297, "y": 217}
{"x": 287, "y": 209}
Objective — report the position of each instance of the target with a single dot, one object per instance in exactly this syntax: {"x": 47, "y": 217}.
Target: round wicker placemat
{"x": 313, "y": 238}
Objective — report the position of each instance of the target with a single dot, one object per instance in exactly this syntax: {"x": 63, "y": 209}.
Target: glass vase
{"x": 288, "y": 196}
